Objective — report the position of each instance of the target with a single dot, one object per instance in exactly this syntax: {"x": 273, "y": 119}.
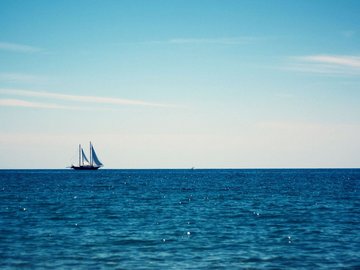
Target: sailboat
{"x": 84, "y": 163}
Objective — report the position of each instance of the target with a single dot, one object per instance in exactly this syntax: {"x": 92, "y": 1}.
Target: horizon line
{"x": 202, "y": 168}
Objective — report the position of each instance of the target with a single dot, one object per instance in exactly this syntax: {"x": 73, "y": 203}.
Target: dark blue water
{"x": 180, "y": 219}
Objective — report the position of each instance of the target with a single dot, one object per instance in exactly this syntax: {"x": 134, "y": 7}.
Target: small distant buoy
{"x": 188, "y": 233}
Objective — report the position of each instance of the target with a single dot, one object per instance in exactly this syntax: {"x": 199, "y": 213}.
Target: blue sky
{"x": 176, "y": 84}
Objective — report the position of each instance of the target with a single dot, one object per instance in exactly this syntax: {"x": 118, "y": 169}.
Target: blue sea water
{"x": 180, "y": 219}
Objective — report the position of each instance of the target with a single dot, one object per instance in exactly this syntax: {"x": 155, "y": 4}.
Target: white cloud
{"x": 14, "y": 47}
{"x": 81, "y": 99}
{"x": 338, "y": 60}
{"x": 343, "y": 65}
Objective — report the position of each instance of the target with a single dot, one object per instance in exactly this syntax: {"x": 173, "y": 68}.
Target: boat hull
{"x": 84, "y": 168}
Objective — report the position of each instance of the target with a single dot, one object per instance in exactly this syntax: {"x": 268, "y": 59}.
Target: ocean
{"x": 180, "y": 219}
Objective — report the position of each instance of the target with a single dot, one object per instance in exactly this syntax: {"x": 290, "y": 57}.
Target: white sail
{"x": 84, "y": 158}
{"x": 95, "y": 159}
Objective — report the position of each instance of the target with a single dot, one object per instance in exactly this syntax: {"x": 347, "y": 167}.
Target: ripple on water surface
{"x": 178, "y": 219}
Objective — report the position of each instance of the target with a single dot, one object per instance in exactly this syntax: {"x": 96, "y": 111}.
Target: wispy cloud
{"x": 207, "y": 41}
{"x": 220, "y": 41}
{"x": 81, "y": 99}
{"x": 29, "y": 104}
{"x": 338, "y": 60}
{"x": 21, "y": 78}
{"x": 348, "y": 33}
{"x": 20, "y": 48}
{"x": 326, "y": 64}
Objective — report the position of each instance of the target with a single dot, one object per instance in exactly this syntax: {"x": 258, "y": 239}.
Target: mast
{"x": 91, "y": 158}
{"x": 79, "y": 155}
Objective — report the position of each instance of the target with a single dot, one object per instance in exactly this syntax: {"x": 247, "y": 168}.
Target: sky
{"x": 180, "y": 83}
